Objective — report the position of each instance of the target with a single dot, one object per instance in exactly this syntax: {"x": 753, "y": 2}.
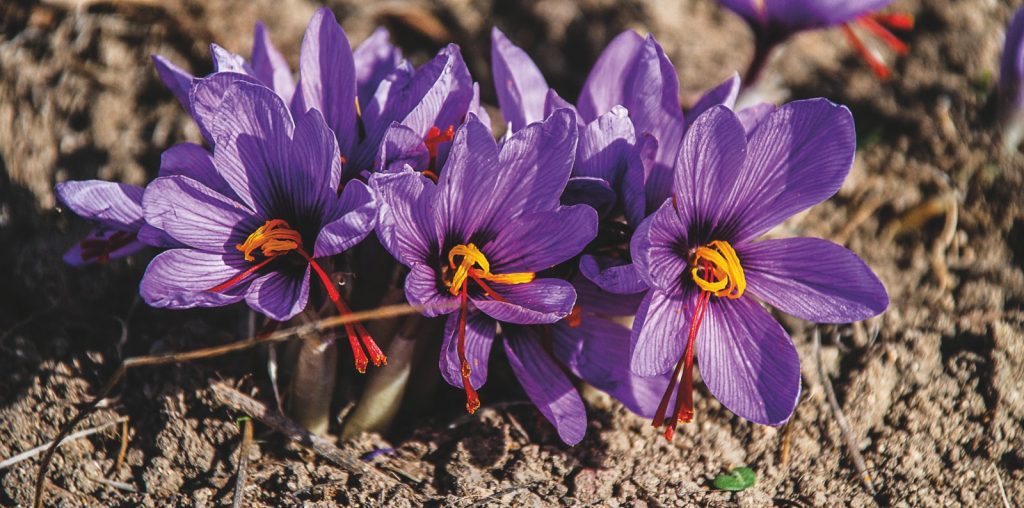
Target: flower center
{"x": 434, "y": 138}
{"x": 469, "y": 263}
{"x": 717, "y": 270}
{"x": 276, "y": 237}
{"x": 879, "y": 25}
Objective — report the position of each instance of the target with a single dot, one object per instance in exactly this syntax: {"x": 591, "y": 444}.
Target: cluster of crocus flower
{"x": 548, "y": 240}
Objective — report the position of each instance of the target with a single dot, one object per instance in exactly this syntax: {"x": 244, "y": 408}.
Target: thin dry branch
{"x": 169, "y": 358}
{"x": 243, "y": 463}
{"x": 28, "y": 454}
{"x": 844, "y": 424}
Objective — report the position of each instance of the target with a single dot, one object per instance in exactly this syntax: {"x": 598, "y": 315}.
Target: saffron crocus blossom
{"x": 360, "y": 94}
{"x": 775, "y": 21}
{"x": 1011, "y": 84}
{"x": 117, "y": 210}
{"x": 707, "y": 274}
{"x": 476, "y": 241}
{"x": 259, "y": 230}
{"x": 633, "y": 88}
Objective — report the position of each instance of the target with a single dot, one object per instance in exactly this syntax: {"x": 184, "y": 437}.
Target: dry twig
{"x": 243, "y": 463}
{"x": 1002, "y": 490}
{"x": 844, "y": 424}
{"x": 28, "y": 454}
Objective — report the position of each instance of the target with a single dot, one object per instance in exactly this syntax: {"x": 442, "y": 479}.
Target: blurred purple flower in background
{"x": 736, "y": 178}
{"x": 1011, "y": 84}
{"x": 117, "y": 210}
{"x": 775, "y": 21}
{"x": 475, "y": 242}
{"x": 255, "y": 232}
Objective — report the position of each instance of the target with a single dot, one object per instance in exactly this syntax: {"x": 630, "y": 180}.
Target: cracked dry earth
{"x": 932, "y": 389}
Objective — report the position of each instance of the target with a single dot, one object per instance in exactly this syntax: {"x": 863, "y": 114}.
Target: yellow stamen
{"x": 274, "y": 237}
{"x": 728, "y": 280}
{"x": 471, "y": 256}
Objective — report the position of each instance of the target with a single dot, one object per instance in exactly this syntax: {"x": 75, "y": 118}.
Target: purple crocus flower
{"x": 116, "y": 208}
{"x": 476, "y": 241}
{"x": 360, "y": 94}
{"x": 775, "y": 21}
{"x": 631, "y": 126}
{"x": 255, "y": 230}
{"x": 1011, "y": 83}
{"x": 734, "y": 181}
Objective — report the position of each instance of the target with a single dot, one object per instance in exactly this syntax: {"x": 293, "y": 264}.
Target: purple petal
{"x": 593, "y": 351}
{"x": 545, "y": 383}
{"x": 798, "y": 157}
{"x": 521, "y": 87}
{"x": 373, "y": 60}
{"x": 724, "y": 94}
{"x": 639, "y": 163}
{"x": 653, "y": 104}
{"x": 466, "y": 190}
{"x": 311, "y": 180}
{"x": 327, "y": 77}
{"x": 797, "y": 15}
{"x": 748, "y": 362}
{"x": 154, "y": 237}
{"x": 596, "y": 193}
{"x": 475, "y": 108}
{"x": 181, "y": 279}
{"x": 358, "y": 217}
{"x": 226, "y": 61}
{"x": 446, "y": 99}
{"x": 535, "y": 165}
{"x": 176, "y": 79}
{"x": 279, "y": 295}
{"x": 660, "y": 330}
{"x": 708, "y": 173}
{"x": 605, "y": 145}
{"x": 480, "y": 331}
{"x": 403, "y": 213}
{"x": 422, "y": 289}
{"x": 554, "y": 102}
{"x": 206, "y": 96}
{"x": 270, "y": 66}
{"x": 253, "y": 131}
{"x": 113, "y": 205}
{"x": 195, "y": 215}
{"x": 752, "y": 116}
{"x": 660, "y": 249}
{"x": 400, "y": 147}
{"x": 813, "y": 279}
{"x": 595, "y": 300}
{"x": 193, "y": 161}
{"x": 538, "y": 302}
{"x": 612, "y": 275}
{"x": 538, "y": 241}
{"x": 605, "y": 86}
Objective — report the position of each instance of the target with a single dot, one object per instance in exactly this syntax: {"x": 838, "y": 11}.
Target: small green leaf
{"x": 738, "y": 479}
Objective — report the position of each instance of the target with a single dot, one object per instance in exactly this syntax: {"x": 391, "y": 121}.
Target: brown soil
{"x": 934, "y": 401}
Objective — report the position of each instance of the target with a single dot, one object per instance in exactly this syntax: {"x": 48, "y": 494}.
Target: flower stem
{"x": 312, "y": 386}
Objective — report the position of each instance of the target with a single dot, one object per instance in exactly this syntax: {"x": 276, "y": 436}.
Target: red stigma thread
{"x": 434, "y": 138}
{"x": 100, "y": 249}
{"x": 276, "y": 238}
{"x": 472, "y": 400}
{"x": 879, "y": 25}
{"x": 682, "y": 377}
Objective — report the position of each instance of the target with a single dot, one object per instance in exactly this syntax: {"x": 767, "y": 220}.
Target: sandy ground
{"x": 932, "y": 389}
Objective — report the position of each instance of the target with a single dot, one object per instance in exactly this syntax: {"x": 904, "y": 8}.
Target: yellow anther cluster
{"x": 471, "y": 256}
{"x": 724, "y": 265}
{"x": 274, "y": 237}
